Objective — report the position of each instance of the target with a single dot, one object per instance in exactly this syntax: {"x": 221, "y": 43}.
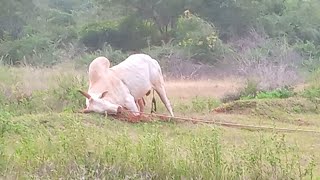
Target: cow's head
{"x": 96, "y": 103}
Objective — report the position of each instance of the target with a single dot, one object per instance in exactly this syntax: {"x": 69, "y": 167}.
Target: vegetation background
{"x": 256, "y": 60}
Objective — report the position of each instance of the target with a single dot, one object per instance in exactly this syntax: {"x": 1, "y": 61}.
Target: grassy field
{"x": 42, "y": 138}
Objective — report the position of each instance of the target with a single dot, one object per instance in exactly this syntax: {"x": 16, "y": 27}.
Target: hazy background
{"x": 267, "y": 39}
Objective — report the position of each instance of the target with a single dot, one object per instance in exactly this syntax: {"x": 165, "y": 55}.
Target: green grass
{"x": 42, "y": 138}
{"x": 67, "y": 145}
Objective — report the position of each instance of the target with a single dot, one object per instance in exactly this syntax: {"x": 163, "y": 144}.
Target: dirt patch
{"x": 237, "y": 107}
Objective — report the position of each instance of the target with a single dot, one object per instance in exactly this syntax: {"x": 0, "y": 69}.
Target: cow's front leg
{"x": 134, "y": 114}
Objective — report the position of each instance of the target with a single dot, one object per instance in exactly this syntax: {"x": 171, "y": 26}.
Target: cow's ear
{"x": 103, "y": 94}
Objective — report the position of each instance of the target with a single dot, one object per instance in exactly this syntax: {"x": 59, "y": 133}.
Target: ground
{"x": 59, "y": 143}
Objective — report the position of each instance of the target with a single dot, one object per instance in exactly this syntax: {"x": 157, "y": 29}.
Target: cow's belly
{"x": 138, "y": 87}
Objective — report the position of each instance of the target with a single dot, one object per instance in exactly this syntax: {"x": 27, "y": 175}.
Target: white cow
{"x": 124, "y": 84}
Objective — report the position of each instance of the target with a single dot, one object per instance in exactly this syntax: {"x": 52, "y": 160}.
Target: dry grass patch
{"x": 215, "y": 88}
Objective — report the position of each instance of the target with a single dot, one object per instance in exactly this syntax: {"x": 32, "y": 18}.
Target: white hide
{"x": 98, "y": 85}
{"x": 140, "y": 73}
{"x": 126, "y": 82}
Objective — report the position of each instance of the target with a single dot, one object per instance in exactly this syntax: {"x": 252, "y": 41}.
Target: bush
{"x": 11, "y": 27}
{"x": 280, "y": 93}
{"x": 66, "y": 6}
{"x": 23, "y": 51}
{"x": 63, "y": 35}
{"x": 60, "y": 18}
{"x": 295, "y": 19}
{"x": 135, "y": 34}
{"x": 313, "y": 90}
{"x": 130, "y": 33}
{"x": 199, "y": 38}
{"x": 272, "y": 62}
{"x": 95, "y": 35}
{"x": 311, "y": 54}
{"x": 252, "y": 91}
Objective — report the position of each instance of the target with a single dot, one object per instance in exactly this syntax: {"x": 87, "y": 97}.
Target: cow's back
{"x": 137, "y": 72}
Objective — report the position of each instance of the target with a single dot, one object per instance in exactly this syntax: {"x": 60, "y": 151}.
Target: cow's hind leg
{"x": 163, "y": 96}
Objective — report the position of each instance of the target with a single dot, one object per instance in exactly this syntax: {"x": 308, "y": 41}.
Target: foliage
{"x": 198, "y": 36}
{"x": 203, "y": 36}
{"x": 23, "y": 51}
{"x": 135, "y": 34}
{"x": 94, "y": 35}
{"x": 162, "y": 13}
{"x": 280, "y": 93}
{"x": 273, "y": 63}
{"x": 60, "y": 18}
{"x": 311, "y": 54}
{"x": 252, "y": 91}
{"x": 312, "y": 91}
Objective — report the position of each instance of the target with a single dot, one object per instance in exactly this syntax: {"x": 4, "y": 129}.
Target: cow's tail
{"x": 153, "y": 104}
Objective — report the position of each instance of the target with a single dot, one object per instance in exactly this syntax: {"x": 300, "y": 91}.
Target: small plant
{"x": 277, "y": 93}
{"x": 251, "y": 92}
{"x": 311, "y": 92}
{"x": 204, "y": 104}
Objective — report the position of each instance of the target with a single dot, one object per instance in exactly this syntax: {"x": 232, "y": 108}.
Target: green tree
{"x": 163, "y": 13}
{"x": 13, "y": 16}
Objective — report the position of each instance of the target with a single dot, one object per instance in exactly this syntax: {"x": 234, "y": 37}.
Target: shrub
{"x": 23, "y": 51}
{"x": 60, "y": 18}
{"x": 129, "y": 33}
{"x": 11, "y": 27}
{"x": 252, "y": 91}
{"x": 280, "y": 93}
{"x": 63, "y": 35}
{"x": 135, "y": 34}
{"x": 313, "y": 90}
{"x": 199, "y": 38}
{"x": 66, "y": 6}
{"x": 311, "y": 54}
{"x": 95, "y": 35}
{"x": 272, "y": 62}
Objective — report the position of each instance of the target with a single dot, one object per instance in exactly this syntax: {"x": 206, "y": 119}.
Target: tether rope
{"x": 200, "y": 120}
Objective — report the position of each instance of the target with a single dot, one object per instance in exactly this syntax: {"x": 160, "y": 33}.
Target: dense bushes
{"x": 59, "y": 18}
{"x": 199, "y": 37}
{"x": 24, "y": 51}
{"x": 204, "y": 33}
{"x": 94, "y": 35}
{"x": 128, "y": 34}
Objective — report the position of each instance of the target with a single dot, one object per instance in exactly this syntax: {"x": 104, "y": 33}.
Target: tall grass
{"x": 41, "y": 138}
{"x": 72, "y": 146}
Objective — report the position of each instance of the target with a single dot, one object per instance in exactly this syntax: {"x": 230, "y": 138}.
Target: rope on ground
{"x": 226, "y": 124}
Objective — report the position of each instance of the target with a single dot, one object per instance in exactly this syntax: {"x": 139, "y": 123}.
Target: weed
{"x": 200, "y": 104}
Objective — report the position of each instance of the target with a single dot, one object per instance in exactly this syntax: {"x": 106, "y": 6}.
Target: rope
{"x": 226, "y": 124}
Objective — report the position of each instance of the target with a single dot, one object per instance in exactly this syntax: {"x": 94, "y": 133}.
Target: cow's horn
{"x": 85, "y": 94}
